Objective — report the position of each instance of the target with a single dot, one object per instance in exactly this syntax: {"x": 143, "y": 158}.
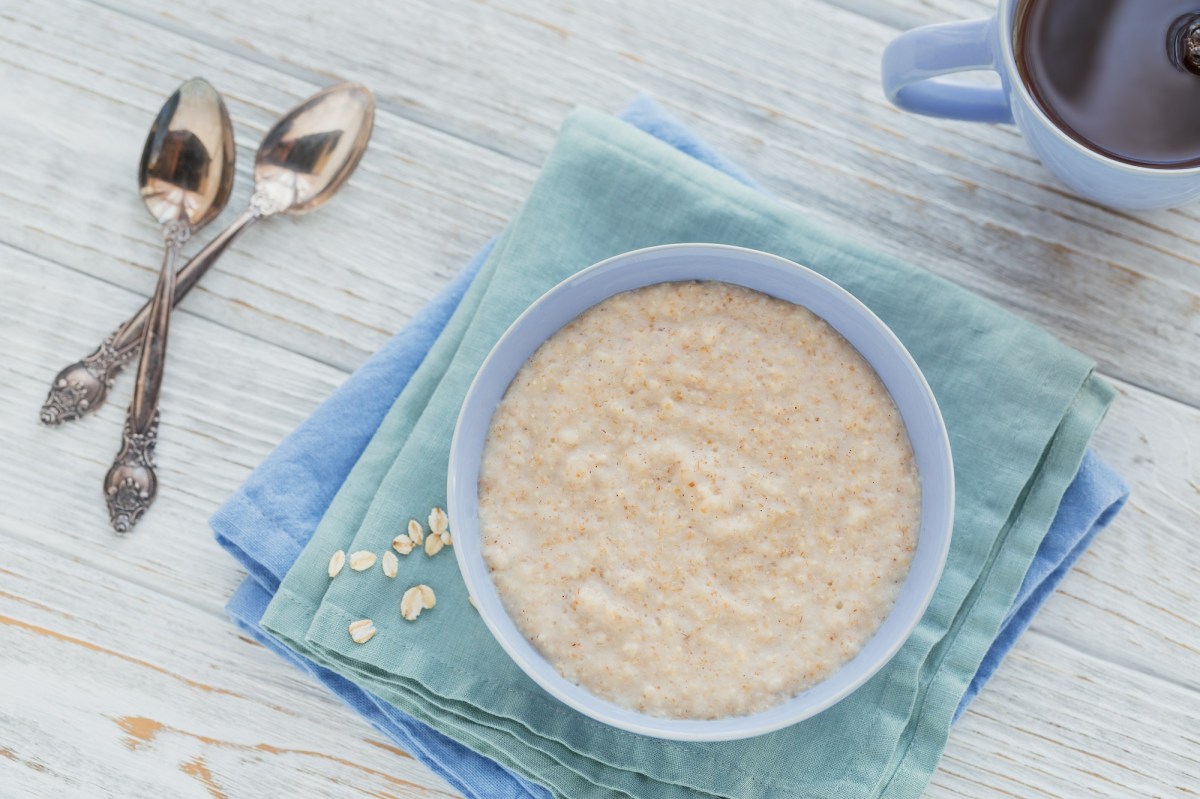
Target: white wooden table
{"x": 119, "y": 672}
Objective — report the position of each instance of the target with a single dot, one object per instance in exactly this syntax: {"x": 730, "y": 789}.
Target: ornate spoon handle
{"x": 81, "y": 387}
{"x": 130, "y": 485}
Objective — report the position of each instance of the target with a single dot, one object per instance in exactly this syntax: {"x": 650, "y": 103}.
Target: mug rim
{"x": 1006, "y": 14}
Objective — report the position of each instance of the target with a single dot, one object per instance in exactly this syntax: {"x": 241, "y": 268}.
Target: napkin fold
{"x": 1019, "y": 406}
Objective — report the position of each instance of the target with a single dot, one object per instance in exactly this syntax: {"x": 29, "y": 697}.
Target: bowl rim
{"x": 538, "y": 668}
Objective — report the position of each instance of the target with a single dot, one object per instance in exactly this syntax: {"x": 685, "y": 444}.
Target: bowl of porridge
{"x": 700, "y": 492}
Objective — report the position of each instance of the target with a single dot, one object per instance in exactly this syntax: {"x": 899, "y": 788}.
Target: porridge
{"x": 697, "y": 501}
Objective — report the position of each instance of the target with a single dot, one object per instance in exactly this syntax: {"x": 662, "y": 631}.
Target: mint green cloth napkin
{"x": 1020, "y": 408}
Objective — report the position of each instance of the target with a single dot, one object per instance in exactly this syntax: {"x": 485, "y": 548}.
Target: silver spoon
{"x": 302, "y": 162}
{"x": 186, "y": 175}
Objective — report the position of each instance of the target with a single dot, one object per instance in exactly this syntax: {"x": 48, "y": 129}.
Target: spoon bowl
{"x": 186, "y": 170}
{"x": 307, "y": 156}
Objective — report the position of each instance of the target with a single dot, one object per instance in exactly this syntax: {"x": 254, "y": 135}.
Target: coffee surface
{"x": 1103, "y": 71}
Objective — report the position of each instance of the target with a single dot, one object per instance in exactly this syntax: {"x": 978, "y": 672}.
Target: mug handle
{"x": 913, "y": 59}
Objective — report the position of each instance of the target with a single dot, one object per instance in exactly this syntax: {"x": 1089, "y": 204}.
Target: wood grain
{"x": 120, "y": 675}
{"x": 1131, "y": 599}
{"x": 1080, "y": 738}
{"x": 153, "y": 696}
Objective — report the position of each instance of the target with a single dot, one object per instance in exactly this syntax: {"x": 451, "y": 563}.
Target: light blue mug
{"x": 912, "y": 68}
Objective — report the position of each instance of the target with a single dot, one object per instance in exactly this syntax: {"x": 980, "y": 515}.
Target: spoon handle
{"x": 81, "y": 388}
{"x": 130, "y": 485}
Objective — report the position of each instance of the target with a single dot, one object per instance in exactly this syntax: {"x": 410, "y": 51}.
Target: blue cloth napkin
{"x": 268, "y": 521}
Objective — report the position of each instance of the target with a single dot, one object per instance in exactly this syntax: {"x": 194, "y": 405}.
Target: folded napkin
{"x": 606, "y": 189}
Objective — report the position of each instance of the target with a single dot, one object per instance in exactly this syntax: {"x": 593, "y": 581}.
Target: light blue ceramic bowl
{"x": 771, "y": 275}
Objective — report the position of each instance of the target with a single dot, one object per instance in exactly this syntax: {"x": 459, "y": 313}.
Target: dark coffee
{"x": 1115, "y": 74}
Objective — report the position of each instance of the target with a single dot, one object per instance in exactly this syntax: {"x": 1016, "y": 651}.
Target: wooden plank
{"x": 911, "y": 13}
{"x": 113, "y": 689}
{"x": 798, "y": 102}
{"x": 1132, "y": 599}
{"x": 1058, "y": 723}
